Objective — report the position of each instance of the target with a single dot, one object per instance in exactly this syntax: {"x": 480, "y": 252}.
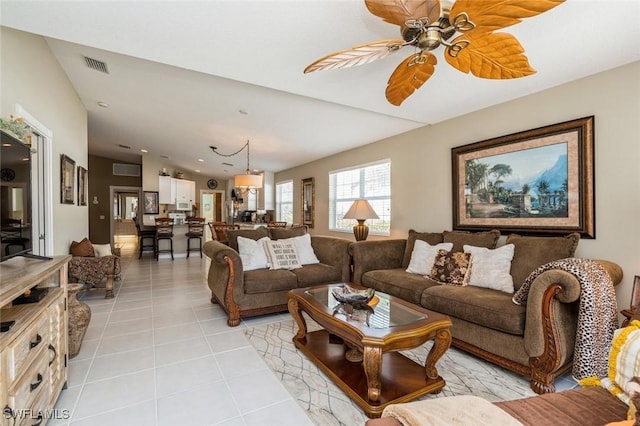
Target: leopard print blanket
{"x": 597, "y": 313}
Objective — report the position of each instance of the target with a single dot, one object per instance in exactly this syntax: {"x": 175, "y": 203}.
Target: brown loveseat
{"x": 249, "y": 293}
{"x": 536, "y": 340}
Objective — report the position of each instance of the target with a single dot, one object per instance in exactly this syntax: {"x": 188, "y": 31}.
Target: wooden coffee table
{"x": 384, "y": 376}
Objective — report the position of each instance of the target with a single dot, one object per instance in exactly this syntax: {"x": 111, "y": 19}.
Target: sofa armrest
{"x": 334, "y": 252}
{"x": 225, "y": 278}
{"x": 371, "y": 255}
{"x": 552, "y": 316}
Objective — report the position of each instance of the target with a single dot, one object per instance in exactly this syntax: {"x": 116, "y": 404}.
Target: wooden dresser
{"x": 33, "y": 353}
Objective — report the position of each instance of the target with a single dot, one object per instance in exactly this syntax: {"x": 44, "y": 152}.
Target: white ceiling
{"x": 180, "y": 72}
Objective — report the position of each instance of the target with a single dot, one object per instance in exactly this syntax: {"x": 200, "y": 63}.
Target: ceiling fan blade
{"x": 409, "y": 76}
{"x": 489, "y": 55}
{"x": 358, "y": 55}
{"x": 398, "y": 11}
{"x": 496, "y": 14}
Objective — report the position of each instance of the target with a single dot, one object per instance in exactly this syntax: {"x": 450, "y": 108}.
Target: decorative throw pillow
{"x": 432, "y": 238}
{"x": 451, "y": 268}
{"x": 83, "y": 248}
{"x": 305, "y": 251}
{"x": 423, "y": 256}
{"x": 282, "y": 254}
{"x": 252, "y": 253}
{"x": 254, "y": 234}
{"x": 624, "y": 361}
{"x": 491, "y": 268}
{"x": 102, "y": 250}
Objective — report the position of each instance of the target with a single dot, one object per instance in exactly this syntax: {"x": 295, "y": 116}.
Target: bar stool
{"x": 148, "y": 235}
{"x": 195, "y": 231}
{"x": 164, "y": 231}
{"x": 219, "y": 230}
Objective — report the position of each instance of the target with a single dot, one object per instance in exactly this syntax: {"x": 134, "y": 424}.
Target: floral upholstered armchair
{"x": 92, "y": 263}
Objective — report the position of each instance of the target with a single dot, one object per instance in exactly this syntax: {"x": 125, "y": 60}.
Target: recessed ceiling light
{"x": 243, "y": 112}
{"x": 103, "y": 104}
{"x": 143, "y": 150}
{"x": 197, "y": 171}
{"x": 201, "y": 160}
{"x": 6, "y": 144}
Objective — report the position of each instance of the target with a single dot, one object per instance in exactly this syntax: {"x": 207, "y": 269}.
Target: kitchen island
{"x": 179, "y": 238}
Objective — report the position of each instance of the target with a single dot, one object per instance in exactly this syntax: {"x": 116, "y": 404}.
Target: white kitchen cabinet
{"x": 178, "y": 192}
{"x": 166, "y": 190}
{"x": 185, "y": 193}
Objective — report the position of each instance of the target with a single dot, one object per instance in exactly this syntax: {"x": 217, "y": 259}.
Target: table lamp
{"x": 361, "y": 210}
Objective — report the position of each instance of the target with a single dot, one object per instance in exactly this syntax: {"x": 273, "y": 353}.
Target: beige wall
{"x": 421, "y": 163}
{"x": 32, "y": 78}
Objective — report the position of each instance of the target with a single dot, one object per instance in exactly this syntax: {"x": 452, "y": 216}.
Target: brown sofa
{"x": 536, "y": 340}
{"x": 579, "y": 407}
{"x": 249, "y": 293}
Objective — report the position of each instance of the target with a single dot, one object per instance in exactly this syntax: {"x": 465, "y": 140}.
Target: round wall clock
{"x": 7, "y": 175}
{"x": 212, "y": 184}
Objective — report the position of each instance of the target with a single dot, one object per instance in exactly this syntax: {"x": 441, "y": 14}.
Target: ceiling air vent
{"x": 120, "y": 169}
{"x": 97, "y": 65}
{"x": 124, "y": 146}
{"x": 227, "y": 164}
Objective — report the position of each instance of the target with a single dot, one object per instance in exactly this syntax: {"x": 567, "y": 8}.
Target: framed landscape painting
{"x": 537, "y": 182}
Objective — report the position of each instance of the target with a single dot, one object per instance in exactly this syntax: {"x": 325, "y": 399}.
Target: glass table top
{"x": 384, "y": 314}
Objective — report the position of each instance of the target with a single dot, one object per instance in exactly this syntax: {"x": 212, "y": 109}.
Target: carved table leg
{"x": 373, "y": 367}
{"x": 440, "y": 345}
{"x": 109, "y": 287}
{"x": 295, "y": 312}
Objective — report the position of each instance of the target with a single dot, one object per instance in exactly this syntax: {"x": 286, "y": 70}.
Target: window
{"x": 284, "y": 201}
{"x": 371, "y": 182}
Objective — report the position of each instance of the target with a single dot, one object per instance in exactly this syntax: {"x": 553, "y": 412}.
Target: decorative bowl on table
{"x": 352, "y": 296}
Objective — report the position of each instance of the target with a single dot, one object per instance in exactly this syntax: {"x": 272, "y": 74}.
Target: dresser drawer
{"x": 22, "y": 351}
{"x": 34, "y": 381}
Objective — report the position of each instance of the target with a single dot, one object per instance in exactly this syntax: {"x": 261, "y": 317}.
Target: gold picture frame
{"x": 536, "y": 182}
{"x": 83, "y": 186}
{"x": 308, "y": 201}
{"x": 635, "y": 293}
{"x": 67, "y": 179}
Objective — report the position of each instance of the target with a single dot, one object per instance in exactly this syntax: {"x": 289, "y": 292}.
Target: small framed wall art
{"x": 67, "y": 179}
{"x": 83, "y": 186}
{"x": 308, "y": 200}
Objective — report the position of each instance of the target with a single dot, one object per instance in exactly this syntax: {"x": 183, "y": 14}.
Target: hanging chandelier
{"x": 247, "y": 181}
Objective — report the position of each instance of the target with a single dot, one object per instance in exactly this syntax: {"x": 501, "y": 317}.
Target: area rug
{"x": 326, "y": 404}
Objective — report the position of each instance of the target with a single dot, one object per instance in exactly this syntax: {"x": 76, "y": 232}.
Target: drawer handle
{"x": 55, "y": 354}
{"x": 36, "y": 342}
{"x": 35, "y": 385}
{"x": 41, "y": 418}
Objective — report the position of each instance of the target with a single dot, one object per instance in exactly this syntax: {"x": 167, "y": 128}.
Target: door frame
{"x": 112, "y": 220}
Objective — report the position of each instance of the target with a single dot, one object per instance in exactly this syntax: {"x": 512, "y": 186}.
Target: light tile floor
{"x": 160, "y": 353}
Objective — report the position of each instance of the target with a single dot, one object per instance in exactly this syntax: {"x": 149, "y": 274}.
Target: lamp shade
{"x": 361, "y": 210}
{"x": 248, "y": 181}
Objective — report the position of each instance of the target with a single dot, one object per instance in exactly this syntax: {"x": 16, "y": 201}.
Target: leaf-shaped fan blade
{"x": 409, "y": 76}
{"x": 398, "y": 11}
{"x": 489, "y": 55}
{"x": 358, "y": 55}
{"x": 496, "y": 14}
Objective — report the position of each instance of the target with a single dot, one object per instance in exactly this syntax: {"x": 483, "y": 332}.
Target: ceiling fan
{"x": 425, "y": 25}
